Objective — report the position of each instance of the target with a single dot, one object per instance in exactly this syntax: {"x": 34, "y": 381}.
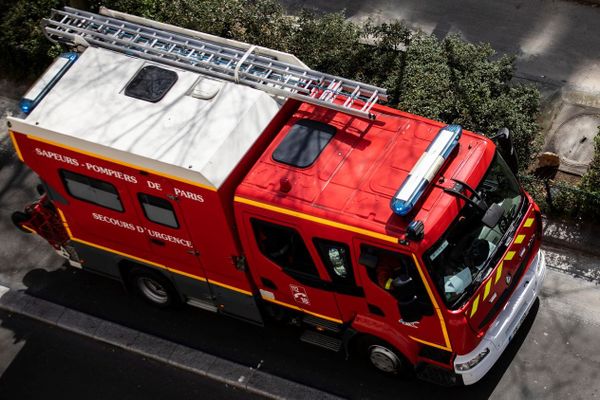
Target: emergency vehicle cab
{"x": 233, "y": 178}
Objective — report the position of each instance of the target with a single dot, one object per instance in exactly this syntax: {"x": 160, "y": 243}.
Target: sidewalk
{"x": 230, "y": 373}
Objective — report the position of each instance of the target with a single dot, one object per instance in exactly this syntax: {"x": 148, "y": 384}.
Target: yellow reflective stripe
{"x": 435, "y": 305}
{"x": 16, "y": 146}
{"x": 28, "y": 229}
{"x": 281, "y": 303}
{"x": 510, "y": 255}
{"x": 498, "y": 273}
{"x": 64, "y": 222}
{"x": 123, "y": 163}
{"x": 230, "y": 287}
{"x": 318, "y": 220}
{"x": 528, "y": 222}
{"x": 475, "y": 306}
{"x": 520, "y": 239}
{"x": 486, "y": 291}
{"x": 428, "y": 343}
{"x": 176, "y": 271}
{"x": 388, "y": 284}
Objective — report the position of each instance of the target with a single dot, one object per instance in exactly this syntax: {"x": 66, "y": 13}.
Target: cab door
{"x": 378, "y": 266}
{"x": 283, "y": 266}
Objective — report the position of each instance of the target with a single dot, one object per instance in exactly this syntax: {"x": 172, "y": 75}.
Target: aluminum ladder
{"x": 221, "y": 58}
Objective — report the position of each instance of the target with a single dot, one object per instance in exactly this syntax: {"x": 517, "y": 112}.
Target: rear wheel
{"x": 153, "y": 288}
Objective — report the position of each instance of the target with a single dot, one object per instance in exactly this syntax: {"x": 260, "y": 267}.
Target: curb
{"x": 581, "y": 237}
{"x": 204, "y": 364}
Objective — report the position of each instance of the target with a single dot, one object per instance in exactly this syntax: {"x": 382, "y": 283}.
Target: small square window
{"x": 158, "y": 210}
{"x": 151, "y": 83}
{"x": 303, "y": 143}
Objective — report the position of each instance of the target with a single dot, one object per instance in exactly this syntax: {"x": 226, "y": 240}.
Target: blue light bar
{"x": 425, "y": 169}
{"x": 43, "y": 85}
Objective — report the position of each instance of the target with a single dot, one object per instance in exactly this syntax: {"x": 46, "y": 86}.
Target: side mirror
{"x": 505, "y": 145}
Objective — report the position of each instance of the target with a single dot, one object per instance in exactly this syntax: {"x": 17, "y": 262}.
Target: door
{"x": 165, "y": 227}
{"x": 285, "y": 271}
{"x": 100, "y": 213}
{"x": 392, "y": 278}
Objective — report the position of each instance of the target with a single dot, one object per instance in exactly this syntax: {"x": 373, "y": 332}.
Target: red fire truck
{"x": 233, "y": 178}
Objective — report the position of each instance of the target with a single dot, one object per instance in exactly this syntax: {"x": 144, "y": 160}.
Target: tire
{"x": 153, "y": 288}
{"x": 18, "y": 218}
{"x": 382, "y": 356}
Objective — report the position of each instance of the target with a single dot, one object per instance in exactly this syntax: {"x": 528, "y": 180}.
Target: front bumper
{"x": 507, "y": 323}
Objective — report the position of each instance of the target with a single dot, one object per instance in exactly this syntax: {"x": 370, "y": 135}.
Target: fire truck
{"x": 205, "y": 171}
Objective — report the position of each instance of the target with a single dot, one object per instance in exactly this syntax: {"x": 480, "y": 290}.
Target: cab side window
{"x": 395, "y": 273}
{"x": 92, "y": 190}
{"x": 336, "y": 258}
{"x": 158, "y": 210}
{"x": 285, "y": 247}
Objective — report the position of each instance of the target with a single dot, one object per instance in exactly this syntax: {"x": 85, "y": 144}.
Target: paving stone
{"x": 153, "y": 346}
{"x": 279, "y": 388}
{"x": 116, "y": 334}
{"x": 230, "y": 372}
{"x": 14, "y": 301}
{"x": 79, "y": 322}
{"x": 191, "y": 359}
{"x": 43, "y": 310}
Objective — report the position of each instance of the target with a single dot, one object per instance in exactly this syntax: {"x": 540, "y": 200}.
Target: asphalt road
{"x": 41, "y": 361}
{"x": 556, "y": 42}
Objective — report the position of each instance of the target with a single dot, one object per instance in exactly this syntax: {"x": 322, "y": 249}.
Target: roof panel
{"x": 208, "y": 136}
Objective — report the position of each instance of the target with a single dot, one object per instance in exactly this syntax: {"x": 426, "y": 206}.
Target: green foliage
{"x": 463, "y": 83}
{"x": 327, "y": 43}
{"x": 24, "y": 50}
{"x": 591, "y": 180}
{"x": 563, "y": 199}
{"x": 426, "y": 83}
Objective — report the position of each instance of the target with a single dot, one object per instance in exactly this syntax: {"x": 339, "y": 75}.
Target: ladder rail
{"x": 237, "y": 54}
{"x": 222, "y": 61}
{"x": 268, "y": 63}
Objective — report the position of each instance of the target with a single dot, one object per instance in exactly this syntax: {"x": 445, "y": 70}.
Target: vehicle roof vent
{"x": 303, "y": 143}
{"x": 206, "y": 88}
{"x": 151, "y": 83}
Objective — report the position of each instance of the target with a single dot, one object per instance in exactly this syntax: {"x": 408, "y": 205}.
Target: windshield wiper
{"x": 480, "y": 204}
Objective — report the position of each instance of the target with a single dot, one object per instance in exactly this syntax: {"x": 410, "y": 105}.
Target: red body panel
{"x": 204, "y": 227}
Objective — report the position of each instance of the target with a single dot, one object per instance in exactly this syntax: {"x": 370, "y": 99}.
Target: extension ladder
{"x": 220, "y": 58}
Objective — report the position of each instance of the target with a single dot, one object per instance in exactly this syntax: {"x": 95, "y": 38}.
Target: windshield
{"x": 468, "y": 251}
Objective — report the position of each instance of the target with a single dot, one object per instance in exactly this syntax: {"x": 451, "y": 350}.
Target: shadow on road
{"x": 275, "y": 346}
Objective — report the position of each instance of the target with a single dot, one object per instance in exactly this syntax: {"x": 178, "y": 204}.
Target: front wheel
{"x": 383, "y": 357}
{"x": 153, "y": 288}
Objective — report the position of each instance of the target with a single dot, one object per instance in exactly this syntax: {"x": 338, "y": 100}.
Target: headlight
{"x": 472, "y": 362}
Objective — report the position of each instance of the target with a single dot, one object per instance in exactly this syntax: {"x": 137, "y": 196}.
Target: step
{"x": 321, "y": 340}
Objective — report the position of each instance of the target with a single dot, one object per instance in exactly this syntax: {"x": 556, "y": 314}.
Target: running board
{"x": 202, "y": 304}
{"x": 321, "y": 340}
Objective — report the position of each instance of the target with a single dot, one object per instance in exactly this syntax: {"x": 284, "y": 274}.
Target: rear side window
{"x": 285, "y": 247}
{"x": 91, "y": 190}
{"x": 158, "y": 210}
{"x": 303, "y": 143}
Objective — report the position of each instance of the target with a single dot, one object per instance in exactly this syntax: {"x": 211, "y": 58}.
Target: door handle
{"x": 268, "y": 283}
{"x": 157, "y": 241}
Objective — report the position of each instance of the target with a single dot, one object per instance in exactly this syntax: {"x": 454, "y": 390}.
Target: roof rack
{"x": 238, "y": 62}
